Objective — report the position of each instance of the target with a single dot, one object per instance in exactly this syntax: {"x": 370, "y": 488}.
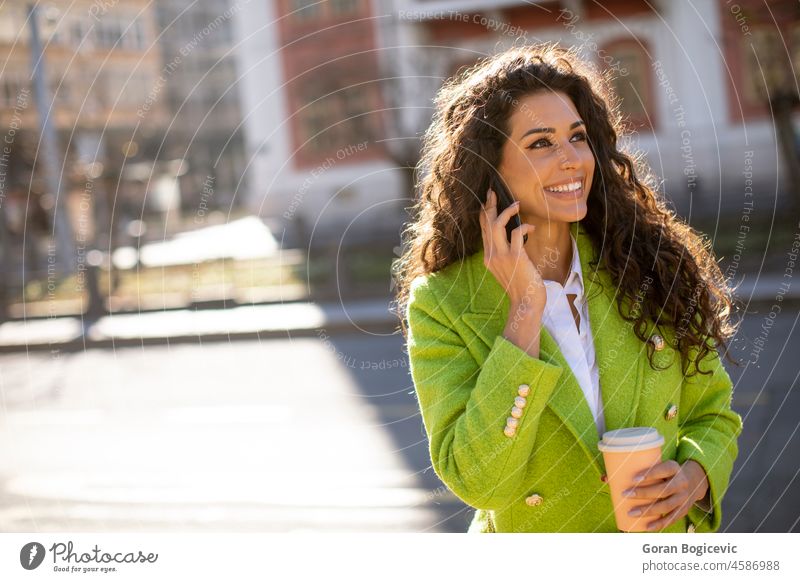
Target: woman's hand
{"x": 509, "y": 263}
{"x": 677, "y": 489}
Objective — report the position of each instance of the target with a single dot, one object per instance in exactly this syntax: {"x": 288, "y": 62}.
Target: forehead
{"x": 544, "y": 109}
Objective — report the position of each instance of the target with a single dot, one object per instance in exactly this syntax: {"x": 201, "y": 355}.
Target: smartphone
{"x": 504, "y": 200}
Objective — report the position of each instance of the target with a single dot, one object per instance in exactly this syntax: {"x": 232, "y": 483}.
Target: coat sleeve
{"x": 465, "y": 405}
{"x": 708, "y": 434}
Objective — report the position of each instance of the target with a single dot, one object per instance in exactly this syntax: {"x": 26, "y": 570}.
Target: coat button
{"x": 534, "y": 500}
{"x": 520, "y": 402}
{"x": 524, "y": 390}
{"x": 672, "y": 412}
{"x": 512, "y": 422}
{"x": 690, "y": 529}
{"x": 516, "y": 412}
{"x": 657, "y": 341}
{"x": 509, "y": 431}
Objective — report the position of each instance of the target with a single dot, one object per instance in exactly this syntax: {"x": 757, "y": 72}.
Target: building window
{"x": 77, "y": 31}
{"x": 763, "y": 69}
{"x": 305, "y": 10}
{"x": 318, "y": 128}
{"x": 11, "y": 88}
{"x": 328, "y": 119}
{"x": 138, "y": 36}
{"x": 631, "y": 80}
{"x": 109, "y": 31}
{"x": 356, "y": 111}
{"x": 340, "y": 7}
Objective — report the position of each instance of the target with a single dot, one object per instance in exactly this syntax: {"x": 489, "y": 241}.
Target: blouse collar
{"x": 574, "y": 283}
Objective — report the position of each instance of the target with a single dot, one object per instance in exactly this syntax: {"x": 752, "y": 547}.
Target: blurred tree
{"x": 776, "y": 51}
{"x": 408, "y": 85}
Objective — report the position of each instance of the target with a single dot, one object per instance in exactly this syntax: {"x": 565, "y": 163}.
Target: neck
{"x": 550, "y": 248}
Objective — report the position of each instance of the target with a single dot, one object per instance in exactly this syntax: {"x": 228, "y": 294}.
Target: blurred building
{"x": 100, "y": 71}
{"x": 197, "y": 44}
{"x": 331, "y": 90}
{"x": 691, "y": 76}
{"x": 314, "y": 119}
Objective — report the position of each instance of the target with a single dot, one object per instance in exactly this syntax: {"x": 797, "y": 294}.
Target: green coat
{"x": 466, "y": 377}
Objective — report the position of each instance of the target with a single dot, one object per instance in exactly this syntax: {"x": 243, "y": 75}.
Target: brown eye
{"x": 535, "y": 146}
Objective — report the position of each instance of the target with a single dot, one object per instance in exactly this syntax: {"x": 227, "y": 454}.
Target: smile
{"x": 565, "y": 187}
{"x": 568, "y": 190}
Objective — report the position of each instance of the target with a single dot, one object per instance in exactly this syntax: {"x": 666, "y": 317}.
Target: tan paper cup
{"x": 626, "y": 452}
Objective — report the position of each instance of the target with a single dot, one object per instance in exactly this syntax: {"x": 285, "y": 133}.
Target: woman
{"x": 592, "y": 316}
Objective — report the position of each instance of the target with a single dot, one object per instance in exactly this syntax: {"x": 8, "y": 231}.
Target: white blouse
{"x": 577, "y": 347}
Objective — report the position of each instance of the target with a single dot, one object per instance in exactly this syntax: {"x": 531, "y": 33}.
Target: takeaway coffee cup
{"x": 626, "y": 452}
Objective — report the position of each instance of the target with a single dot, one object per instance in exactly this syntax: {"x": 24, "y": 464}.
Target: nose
{"x": 570, "y": 157}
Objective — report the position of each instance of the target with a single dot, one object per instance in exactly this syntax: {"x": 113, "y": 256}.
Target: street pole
{"x": 49, "y": 149}
{"x": 5, "y": 266}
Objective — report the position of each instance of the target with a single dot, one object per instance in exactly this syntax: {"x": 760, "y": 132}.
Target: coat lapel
{"x": 617, "y": 349}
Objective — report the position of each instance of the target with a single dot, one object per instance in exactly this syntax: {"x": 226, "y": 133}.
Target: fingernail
{"x": 628, "y": 493}
{"x": 635, "y": 513}
{"x": 638, "y": 478}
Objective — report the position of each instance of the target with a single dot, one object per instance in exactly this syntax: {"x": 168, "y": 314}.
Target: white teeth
{"x": 566, "y": 188}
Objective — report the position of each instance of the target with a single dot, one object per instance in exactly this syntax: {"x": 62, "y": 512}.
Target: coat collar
{"x": 616, "y": 346}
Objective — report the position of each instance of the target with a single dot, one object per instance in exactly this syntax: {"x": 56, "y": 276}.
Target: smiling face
{"x": 546, "y": 160}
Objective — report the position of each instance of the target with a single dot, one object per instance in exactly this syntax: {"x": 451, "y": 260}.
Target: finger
{"x": 667, "y": 520}
{"x": 658, "y": 490}
{"x": 485, "y": 219}
{"x": 482, "y": 218}
{"x": 491, "y": 206}
{"x": 658, "y": 508}
{"x": 506, "y": 215}
{"x": 659, "y": 471}
{"x": 517, "y": 236}
{"x": 499, "y": 237}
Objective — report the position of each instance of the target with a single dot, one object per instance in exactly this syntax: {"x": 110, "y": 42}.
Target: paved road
{"x": 765, "y": 486}
{"x": 273, "y": 436}
{"x": 310, "y": 434}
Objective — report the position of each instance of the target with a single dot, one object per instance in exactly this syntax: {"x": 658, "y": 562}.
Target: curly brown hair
{"x": 638, "y": 236}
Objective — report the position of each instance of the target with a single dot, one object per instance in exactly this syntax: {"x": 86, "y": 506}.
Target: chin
{"x": 574, "y": 214}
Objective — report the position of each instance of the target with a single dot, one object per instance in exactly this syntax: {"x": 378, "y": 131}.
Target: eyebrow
{"x": 549, "y": 129}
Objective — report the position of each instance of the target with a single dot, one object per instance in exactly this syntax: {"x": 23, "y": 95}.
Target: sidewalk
{"x": 181, "y": 326}
{"x": 277, "y": 320}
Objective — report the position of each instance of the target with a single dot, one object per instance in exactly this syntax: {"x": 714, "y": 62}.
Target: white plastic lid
{"x": 624, "y": 440}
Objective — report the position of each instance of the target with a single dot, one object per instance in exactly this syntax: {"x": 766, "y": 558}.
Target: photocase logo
{"x": 31, "y": 555}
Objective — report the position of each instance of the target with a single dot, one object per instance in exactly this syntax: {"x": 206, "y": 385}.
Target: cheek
{"x": 538, "y": 170}
{"x": 588, "y": 158}
{"x": 589, "y": 163}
